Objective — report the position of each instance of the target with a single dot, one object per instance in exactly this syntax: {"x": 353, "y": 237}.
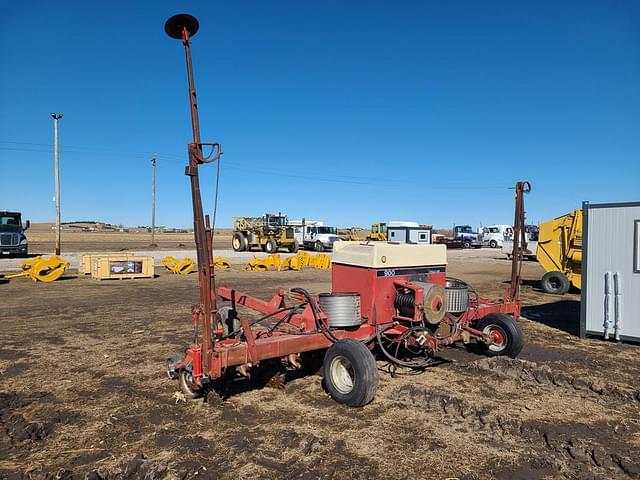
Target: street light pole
{"x": 153, "y": 199}
{"x": 56, "y": 163}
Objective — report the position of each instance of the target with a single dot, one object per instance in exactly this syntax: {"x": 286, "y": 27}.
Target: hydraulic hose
{"x": 261, "y": 319}
{"x": 316, "y": 316}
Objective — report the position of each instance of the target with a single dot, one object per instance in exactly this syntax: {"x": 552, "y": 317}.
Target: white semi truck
{"x": 494, "y": 235}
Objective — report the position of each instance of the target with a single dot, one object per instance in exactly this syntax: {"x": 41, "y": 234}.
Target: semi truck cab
{"x": 320, "y": 237}
{"x": 13, "y": 240}
{"x": 466, "y": 235}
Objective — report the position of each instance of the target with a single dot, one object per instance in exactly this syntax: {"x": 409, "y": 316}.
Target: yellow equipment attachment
{"x": 221, "y": 263}
{"x": 180, "y": 267}
{"x": 560, "y": 246}
{"x": 263, "y": 264}
{"x": 42, "y": 269}
{"x": 321, "y": 261}
{"x": 296, "y": 262}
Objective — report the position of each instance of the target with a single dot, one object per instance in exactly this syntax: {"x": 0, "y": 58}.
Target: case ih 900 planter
{"x": 389, "y": 300}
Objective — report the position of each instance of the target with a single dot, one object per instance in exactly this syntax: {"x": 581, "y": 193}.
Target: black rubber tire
{"x": 356, "y": 361}
{"x": 493, "y": 244}
{"x": 187, "y": 386}
{"x": 294, "y": 247}
{"x": 239, "y": 242}
{"x": 466, "y": 244}
{"x": 271, "y": 246}
{"x": 555, "y": 283}
{"x": 318, "y": 247}
{"x": 510, "y": 331}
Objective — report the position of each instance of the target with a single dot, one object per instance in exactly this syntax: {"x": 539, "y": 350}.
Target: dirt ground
{"x": 42, "y": 240}
{"x": 83, "y": 394}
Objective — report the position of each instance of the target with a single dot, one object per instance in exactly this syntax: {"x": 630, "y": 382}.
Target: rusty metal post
{"x": 519, "y": 240}
{"x": 182, "y": 27}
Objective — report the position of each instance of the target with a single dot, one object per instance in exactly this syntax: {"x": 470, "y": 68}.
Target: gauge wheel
{"x": 350, "y": 373}
{"x": 239, "y": 242}
{"x": 188, "y": 385}
{"x": 506, "y": 335}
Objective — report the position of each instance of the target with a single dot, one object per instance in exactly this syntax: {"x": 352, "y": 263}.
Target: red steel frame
{"x": 302, "y": 335}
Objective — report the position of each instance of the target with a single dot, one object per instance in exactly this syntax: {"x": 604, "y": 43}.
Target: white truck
{"x": 314, "y": 235}
{"x": 530, "y": 235}
{"x": 494, "y": 235}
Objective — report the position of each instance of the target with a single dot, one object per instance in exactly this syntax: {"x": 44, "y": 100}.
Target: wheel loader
{"x": 271, "y": 232}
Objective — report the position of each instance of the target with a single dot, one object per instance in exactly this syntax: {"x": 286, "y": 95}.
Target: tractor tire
{"x": 555, "y": 283}
{"x": 318, "y": 247}
{"x": 271, "y": 246}
{"x": 239, "y": 242}
{"x": 493, "y": 244}
{"x": 466, "y": 244}
{"x": 506, "y": 333}
{"x": 350, "y": 373}
{"x": 187, "y": 385}
{"x": 294, "y": 247}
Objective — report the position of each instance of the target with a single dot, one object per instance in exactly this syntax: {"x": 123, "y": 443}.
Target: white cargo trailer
{"x": 611, "y": 271}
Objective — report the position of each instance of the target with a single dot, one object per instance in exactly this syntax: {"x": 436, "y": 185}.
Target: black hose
{"x": 396, "y": 360}
{"x": 261, "y": 319}
{"x": 316, "y": 315}
{"x": 286, "y": 318}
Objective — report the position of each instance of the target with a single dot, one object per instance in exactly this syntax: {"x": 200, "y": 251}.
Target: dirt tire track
{"x": 533, "y": 374}
{"x": 573, "y": 449}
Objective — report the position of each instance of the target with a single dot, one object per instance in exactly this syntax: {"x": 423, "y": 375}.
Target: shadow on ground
{"x": 563, "y": 315}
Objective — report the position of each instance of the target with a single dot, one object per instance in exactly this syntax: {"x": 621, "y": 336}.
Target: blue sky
{"x": 348, "y": 112}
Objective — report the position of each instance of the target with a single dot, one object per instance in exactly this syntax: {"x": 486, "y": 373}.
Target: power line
{"x": 274, "y": 172}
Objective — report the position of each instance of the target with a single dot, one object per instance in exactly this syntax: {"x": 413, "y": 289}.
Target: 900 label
{"x": 389, "y": 273}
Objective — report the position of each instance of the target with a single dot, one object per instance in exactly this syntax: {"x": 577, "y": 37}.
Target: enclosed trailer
{"x": 611, "y": 271}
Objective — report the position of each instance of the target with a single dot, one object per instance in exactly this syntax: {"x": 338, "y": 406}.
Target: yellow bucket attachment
{"x": 221, "y": 262}
{"x": 321, "y": 261}
{"x": 264, "y": 264}
{"x": 180, "y": 267}
{"x": 42, "y": 269}
{"x": 297, "y": 262}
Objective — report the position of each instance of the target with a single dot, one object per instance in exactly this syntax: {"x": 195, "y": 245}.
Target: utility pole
{"x": 153, "y": 199}
{"x": 56, "y": 163}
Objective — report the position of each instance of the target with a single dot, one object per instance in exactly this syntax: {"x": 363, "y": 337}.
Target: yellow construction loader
{"x": 378, "y": 231}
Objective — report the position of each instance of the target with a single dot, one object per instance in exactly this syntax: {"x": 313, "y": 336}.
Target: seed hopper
{"x": 388, "y": 301}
